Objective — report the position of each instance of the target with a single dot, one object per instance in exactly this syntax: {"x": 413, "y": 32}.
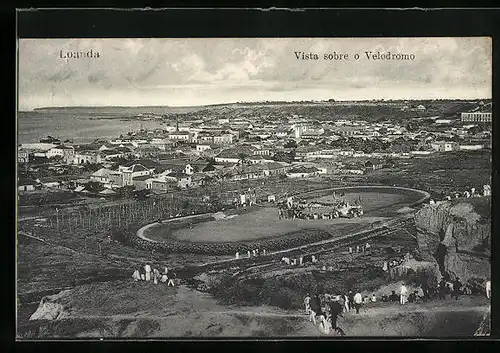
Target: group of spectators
{"x": 154, "y": 275}
{"x": 299, "y": 261}
{"x": 255, "y": 252}
{"x": 467, "y": 194}
{"x": 324, "y": 310}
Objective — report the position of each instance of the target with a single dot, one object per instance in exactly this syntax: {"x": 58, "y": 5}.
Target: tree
{"x": 243, "y": 158}
{"x": 93, "y": 186}
{"x": 285, "y": 157}
{"x": 91, "y": 168}
{"x": 141, "y": 194}
{"x": 127, "y": 191}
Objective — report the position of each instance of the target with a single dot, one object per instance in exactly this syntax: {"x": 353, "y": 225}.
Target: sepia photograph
{"x": 173, "y": 188}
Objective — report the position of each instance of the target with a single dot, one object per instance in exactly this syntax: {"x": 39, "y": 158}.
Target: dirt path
{"x": 140, "y": 232}
{"x": 166, "y": 316}
{"x": 384, "y": 310}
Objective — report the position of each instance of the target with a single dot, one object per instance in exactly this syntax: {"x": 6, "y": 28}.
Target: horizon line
{"x": 251, "y": 102}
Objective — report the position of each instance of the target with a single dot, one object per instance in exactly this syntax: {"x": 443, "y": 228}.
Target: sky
{"x": 186, "y": 72}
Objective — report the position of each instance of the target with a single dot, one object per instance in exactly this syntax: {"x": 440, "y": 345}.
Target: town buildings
{"x": 200, "y": 151}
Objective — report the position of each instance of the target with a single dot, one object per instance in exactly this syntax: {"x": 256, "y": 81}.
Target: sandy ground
{"x": 145, "y": 310}
{"x": 263, "y": 222}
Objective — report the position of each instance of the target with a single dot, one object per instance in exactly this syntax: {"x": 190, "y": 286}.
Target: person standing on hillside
{"x": 315, "y": 307}
{"x": 420, "y": 293}
{"x": 393, "y": 297}
{"x": 307, "y": 301}
{"x": 457, "y": 285}
{"x": 335, "y": 311}
{"x": 323, "y": 326}
{"x": 488, "y": 289}
{"x": 172, "y": 279}
{"x": 164, "y": 278}
{"x": 358, "y": 300}
{"x": 351, "y": 300}
{"x": 147, "y": 268}
{"x": 347, "y": 303}
{"x": 442, "y": 289}
{"x": 403, "y": 294}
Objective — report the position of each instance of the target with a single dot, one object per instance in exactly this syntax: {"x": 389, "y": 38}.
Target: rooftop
{"x": 141, "y": 178}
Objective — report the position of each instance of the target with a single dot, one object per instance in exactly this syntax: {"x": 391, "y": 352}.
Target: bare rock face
{"x": 455, "y": 236}
{"x": 51, "y": 307}
{"x": 484, "y": 328}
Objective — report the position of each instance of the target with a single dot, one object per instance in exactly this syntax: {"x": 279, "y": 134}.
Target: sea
{"x": 78, "y": 127}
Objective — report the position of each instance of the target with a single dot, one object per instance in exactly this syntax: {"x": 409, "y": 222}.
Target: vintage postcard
{"x": 254, "y": 187}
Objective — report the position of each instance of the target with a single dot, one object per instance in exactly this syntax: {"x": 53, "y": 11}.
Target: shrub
{"x": 284, "y": 298}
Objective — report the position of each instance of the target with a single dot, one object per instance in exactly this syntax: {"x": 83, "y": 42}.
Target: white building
{"x": 22, "y": 156}
{"x": 180, "y": 136}
{"x": 471, "y": 147}
{"x": 61, "y": 151}
{"x": 158, "y": 143}
{"x": 84, "y": 157}
{"x": 224, "y": 139}
{"x": 476, "y": 117}
{"x": 444, "y": 146}
{"x": 202, "y": 147}
{"x": 101, "y": 176}
{"x": 136, "y": 170}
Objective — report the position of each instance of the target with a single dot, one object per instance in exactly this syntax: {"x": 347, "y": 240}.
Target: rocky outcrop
{"x": 484, "y": 328}
{"x": 51, "y": 307}
{"x": 457, "y": 237}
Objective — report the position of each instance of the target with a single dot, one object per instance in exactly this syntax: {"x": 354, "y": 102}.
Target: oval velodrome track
{"x": 286, "y": 242}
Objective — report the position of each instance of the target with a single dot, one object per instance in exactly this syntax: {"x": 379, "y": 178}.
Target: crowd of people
{"x": 299, "y": 261}
{"x": 359, "y": 249}
{"x": 152, "y": 274}
{"x": 467, "y": 194}
{"x": 324, "y": 310}
{"x": 307, "y": 211}
{"x": 254, "y": 253}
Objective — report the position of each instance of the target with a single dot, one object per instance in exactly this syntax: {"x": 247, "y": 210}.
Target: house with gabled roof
{"x": 259, "y": 159}
{"x": 161, "y": 185}
{"x": 135, "y": 170}
{"x": 61, "y": 151}
{"x": 101, "y": 175}
{"x": 142, "y": 182}
{"x": 373, "y": 164}
{"x": 84, "y": 157}
{"x": 227, "y": 157}
{"x": 183, "y": 180}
